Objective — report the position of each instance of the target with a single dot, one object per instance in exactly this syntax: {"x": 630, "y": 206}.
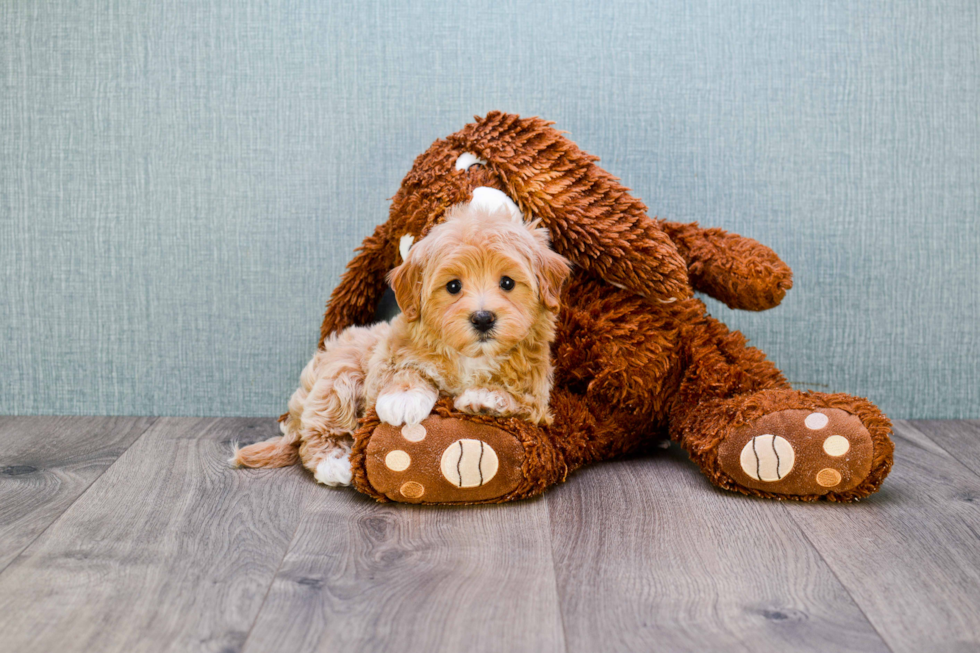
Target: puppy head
{"x": 480, "y": 282}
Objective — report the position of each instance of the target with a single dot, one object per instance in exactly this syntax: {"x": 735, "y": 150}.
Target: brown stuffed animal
{"x": 637, "y": 359}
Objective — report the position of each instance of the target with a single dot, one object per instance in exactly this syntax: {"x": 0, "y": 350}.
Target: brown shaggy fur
{"x": 637, "y": 358}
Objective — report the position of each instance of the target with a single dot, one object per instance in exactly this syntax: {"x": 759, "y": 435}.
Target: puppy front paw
{"x": 487, "y": 402}
{"x": 406, "y": 406}
{"x": 334, "y": 471}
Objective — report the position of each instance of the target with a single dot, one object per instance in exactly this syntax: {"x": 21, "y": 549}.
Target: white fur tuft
{"x": 491, "y": 199}
{"x": 467, "y": 160}
{"x": 233, "y": 461}
{"x": 334, "y": 471}
{"x": 476, "y": 400}
{"x": 406, "y": 407}
{"x": 405, "y": 244}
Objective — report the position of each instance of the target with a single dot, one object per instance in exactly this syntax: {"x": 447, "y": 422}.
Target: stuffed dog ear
{"x": 593, "y": 219}
{"x": 406, "y": 281}
{"x": 354, "y": 301}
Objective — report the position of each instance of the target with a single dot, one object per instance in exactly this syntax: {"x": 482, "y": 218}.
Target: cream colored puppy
{"x": 479, "y": 298}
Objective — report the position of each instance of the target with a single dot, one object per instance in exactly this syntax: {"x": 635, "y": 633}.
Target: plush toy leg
{"x": 456, "y": 458}
{"x": 452, "y": 458}
{"x": 791, "y": 445}
{"x": 749, "y": 432}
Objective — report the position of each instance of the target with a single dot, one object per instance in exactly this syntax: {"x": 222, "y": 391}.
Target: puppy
{"x": 479, "y": 298}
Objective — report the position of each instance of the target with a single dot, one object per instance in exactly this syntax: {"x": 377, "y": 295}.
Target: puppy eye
{"x": 467, "y": 160}
{"x": 454, "y": 286}
{"x": 507, "y": 283}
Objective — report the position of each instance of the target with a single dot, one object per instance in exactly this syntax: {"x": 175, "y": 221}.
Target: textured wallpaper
{"x": 181, "y": 183}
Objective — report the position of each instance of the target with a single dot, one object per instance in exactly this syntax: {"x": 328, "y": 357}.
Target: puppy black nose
{"x": 482, "y": 321}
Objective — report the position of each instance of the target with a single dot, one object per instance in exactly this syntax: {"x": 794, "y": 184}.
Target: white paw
{"x": 407, "y": 407}
{"x": 334, "y": 472}
{"x": 480, "y": 400}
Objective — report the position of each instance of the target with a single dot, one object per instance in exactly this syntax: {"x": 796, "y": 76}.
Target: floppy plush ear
{"x": 593, "y": 219}
{"x": 354, "y": 301}
{"x": 406, "y": 281}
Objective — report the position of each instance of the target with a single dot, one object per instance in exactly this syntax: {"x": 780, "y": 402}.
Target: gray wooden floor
{"x": 122, "y": 534}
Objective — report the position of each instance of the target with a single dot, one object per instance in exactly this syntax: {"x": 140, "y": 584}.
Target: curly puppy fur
{"x": 637, "y": 358}
{"x": 480, "y": 295}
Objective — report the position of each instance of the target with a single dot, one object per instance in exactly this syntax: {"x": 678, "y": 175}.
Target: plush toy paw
{"x": 443, "y": 460}
{"x": 406, "y": 407}
{"x": 799, "y": 452}
{"x": 481, "y": 401}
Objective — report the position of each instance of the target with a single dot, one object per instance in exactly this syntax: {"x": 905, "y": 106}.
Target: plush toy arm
{"x": 354, "y": 301}
{"x": 738, "y": 271}
{"x": 628, "y": 250}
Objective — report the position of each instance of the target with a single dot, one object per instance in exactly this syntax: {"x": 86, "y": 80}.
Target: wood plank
{"x": 170, "y": 549}
{"x": 910, "y": 554}
{"x": 649, "y": 556}
{"x": 362, "y": 576}
{"x": 46, "y": 463}
{"x": 960, "y": 437}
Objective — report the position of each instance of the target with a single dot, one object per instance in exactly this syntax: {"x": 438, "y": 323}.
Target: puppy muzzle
{"x": 483, "y": 322}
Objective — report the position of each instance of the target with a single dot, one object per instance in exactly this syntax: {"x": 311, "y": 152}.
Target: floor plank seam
{"x": 153, "y": 420}
{"x": 268, "y": 590}
{"x": 951, "y": 454}
{"x": 838, "y": 578}
{"x": 554, "y": 574}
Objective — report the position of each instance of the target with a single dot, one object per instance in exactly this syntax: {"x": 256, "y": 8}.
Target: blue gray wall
{"x": 181, "y": 183}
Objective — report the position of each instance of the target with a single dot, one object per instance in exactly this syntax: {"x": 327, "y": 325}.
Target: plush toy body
{"x": 637, "y": 359}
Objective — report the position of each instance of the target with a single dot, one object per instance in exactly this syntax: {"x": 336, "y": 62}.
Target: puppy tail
{"x": 282, "y": 451}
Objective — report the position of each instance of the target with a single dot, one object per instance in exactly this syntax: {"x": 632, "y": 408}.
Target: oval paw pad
{"x": 469, "y": 463}
{"x": 828, "y": 477}
{"x": 413, "y": 432}
{"x": 767, "y": 457}
{"x": 397, "y": 460}
{"x": 836, "y": 445}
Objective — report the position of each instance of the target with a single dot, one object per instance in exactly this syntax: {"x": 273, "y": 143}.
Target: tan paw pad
{"x": 413, "y": 432}
{"x": 816, "y": 421}
{"x": 412, "y": 490}
{"x": 836, "y": 445}
{"x": 469, "y": 463}
{"x": 767, "y": 457}
{"x": 398, "y": 460}
{"x": 828, "y": 477}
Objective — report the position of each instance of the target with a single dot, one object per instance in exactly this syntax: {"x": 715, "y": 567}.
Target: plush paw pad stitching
{"x": 469, "y": 463}
{"x": 767, "y": 457}
{"x": 799, "y": 452}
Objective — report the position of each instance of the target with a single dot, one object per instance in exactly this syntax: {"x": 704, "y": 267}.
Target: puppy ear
{"x": 406, "y": 281}
{"x": 552, "y": 271}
